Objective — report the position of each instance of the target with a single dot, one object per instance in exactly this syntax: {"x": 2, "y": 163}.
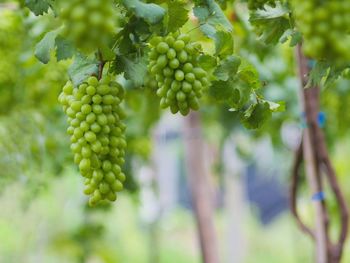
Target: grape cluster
{"x": 258, "y": 4}
{"x": 325, "y": 28}
{"x": 180, "y": 79}
{"x": 88, "y": 23}
{"x": 97, "y": 135}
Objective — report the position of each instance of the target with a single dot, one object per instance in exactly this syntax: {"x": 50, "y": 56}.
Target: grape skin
{"x": 179, "y": 78}
{"x": 97, "y": 135}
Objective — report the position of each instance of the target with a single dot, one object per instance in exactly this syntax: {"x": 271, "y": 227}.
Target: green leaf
{"x": 82, "y": 68}
{"x": 134, "y": 70}
{"x": 270, "y": 12}
{"x": 45, "y": 46}
{"x": 64, "y": 49}
{"x": 294, "y": 36}
{"x": 256, "y": 115}
{"x": 211, "y": 15}
{"x": 227, "y": 68}
{"x": 223, "y": 43}
{"x": 107, "y": 53}
{"x": 150, "y": 12}
{"x": 271, "y": 22}
{"x": 277, "y": 107}
{"x": 215, "y": 25}
{"x": 207, "y": 62}
{"x": 249, "y": 75}
{"x": 177, "y": 14}
{"x": 220, "y": 90}
{"x": 38, "y": 7}
{"x": 317, "y": 73}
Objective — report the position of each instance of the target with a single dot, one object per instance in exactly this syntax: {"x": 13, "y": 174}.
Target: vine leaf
{"x": 38, "y": 7}
{"x": 64, "y": 48}
{"x": 294, "y": 36}
{"x": 323, "y": 72}
{"x": 256, "y": 115}
{"x": 134, "y": 70}
{"x": 177, "y": 14}
{"x": 207, "y": 62}
{"x": 51, "y": 42}
{"x": 221, "y": 90}
{"x": 271, "y": 22}
{"x": 223, "y": 43}
{"x": 215, "y": 25}
{"x": 82, "y": 68}
{"x": 150, "y": 12}
{"x": 277, "y": 106}
{"x": 227, "y": 67}
{"x": 211, "y": 15}
{"x": 45, "y": 46}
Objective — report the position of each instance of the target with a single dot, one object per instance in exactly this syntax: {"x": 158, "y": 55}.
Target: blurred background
{"x": 43, "y": 212}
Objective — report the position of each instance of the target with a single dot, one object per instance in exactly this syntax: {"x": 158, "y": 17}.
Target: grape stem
{"x": 101, "y": 65}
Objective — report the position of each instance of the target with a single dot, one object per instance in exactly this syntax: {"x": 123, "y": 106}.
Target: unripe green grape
{"x": 179, "y": 45}
{"x": 97, "y": 99}
{"x": 117, "y": 186}
{"x": 86, "y": 99}
{"x": 179, "y": 75}
{"x": 162, "y": 47}
{"x": 80, "y": 116}
{"x": 183, "y": 56}
{"x": 186, "y": 87}
{"x": 75, "y": 122}
{"x": 84, "y": 164}
{"x": 111, "y": 196}
{"x": 86, "y": 109}
{"x": 109, "y": 177}
{"x": 171, "y": 54}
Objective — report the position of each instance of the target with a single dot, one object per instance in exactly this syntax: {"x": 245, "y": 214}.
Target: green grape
{"x": 89, "y": 24}
{"x": 97, "y": 135}
{"x": 325, "y": 28}
{"x": 175, "y": 72}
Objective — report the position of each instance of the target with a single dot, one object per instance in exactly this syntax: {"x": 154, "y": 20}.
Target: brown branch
{"x": 310, "y": 101}
{"x": 201, "y": 188}
{"x": 337, "y": 249}
{"x": 310, "y": 98}
{"x": 298, "y": 159}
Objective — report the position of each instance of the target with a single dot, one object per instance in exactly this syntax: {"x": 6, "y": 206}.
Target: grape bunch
{"x": 325, "y": 28}
{"x": 258, "y": 4}
{"x": 88, "y": 23}
{"x": 180, "y": 79}
{"x": 97, "y": 135}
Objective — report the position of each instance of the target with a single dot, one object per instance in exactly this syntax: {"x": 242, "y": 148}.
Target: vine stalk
{"x": 201, "y": 190}
{"x": 313, "y": 152}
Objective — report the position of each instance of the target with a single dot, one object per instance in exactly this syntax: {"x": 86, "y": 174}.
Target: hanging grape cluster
{"x": 258, "y": 4}
{"x": 180, "y": 79}
{"x": 88, "y": 23}
{"x": 325, "y": 27}
{"x": 97, "y": 135}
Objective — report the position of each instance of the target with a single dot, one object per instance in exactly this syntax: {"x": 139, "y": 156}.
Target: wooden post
{"x": 309, "y": 98}
{"x": 201, "y": 191}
